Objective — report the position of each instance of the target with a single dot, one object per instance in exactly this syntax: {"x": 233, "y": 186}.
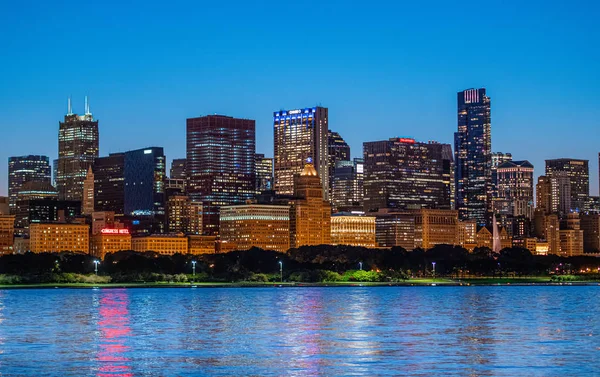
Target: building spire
{"x": 69, "y": 108}
{"x": 87, "y": 106}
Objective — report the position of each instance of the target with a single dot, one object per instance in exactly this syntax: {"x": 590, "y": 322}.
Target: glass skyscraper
{"x": 299, "y": 136}
{"x": 77, "y": 149}
{"x": 578, "y": 173}
{"x": 23, "y": 169}
{"x": 220, "y": 164}
{"x": 473, "y": 156}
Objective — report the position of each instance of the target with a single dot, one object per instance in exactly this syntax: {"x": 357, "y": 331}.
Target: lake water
{"x": 353, "y": 331}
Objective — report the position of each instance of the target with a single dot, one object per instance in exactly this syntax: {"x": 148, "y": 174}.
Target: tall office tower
{"x": 87, "y": 203}
{"x": 109, "y": 184}
{"x": 178, "y": 169}
{"x": 24, "y": 169}
{"x": 338, "y": 150}
{"x": 515, "y": 187}
{"x": 448, "y": 155}
{"x": 183, "y": 215}
{"x": 145, "y": 171}
{"x": 401, "y": 173}
{"x": 497, "y": 159}
{"x": 264, "y": 173}
{"x": 473, "y": 156}
{"x": 221, "y": 165}
{"x": 77, "y": 149}
{"x": 310, "y": 214}
{"x": 347, "y": 190}
{"x": 300, "y": 135}
{"x": 579, "y": 176}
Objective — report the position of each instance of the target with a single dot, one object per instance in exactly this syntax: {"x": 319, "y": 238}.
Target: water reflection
{"x": 114, "y": 331}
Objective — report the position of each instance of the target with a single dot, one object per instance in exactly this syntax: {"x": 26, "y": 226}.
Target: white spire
{"x": 87, "y": 106}
{"x": 69, "y": 108}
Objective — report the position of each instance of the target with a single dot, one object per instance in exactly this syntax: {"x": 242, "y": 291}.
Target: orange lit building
{"x": 202, "y": 244}
{"x": 7, "y": 232}
{"x": 57, "y": 237}
{"x": 435, "y": 227}
{"x": 110, "y": 241}
{"x": 353, "y": 230}
{"x": 166, "y": 244}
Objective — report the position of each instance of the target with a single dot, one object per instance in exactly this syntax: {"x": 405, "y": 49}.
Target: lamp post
{"x": 360, "y": 265}
{"x": 433, "y": 264}
{"x": 193, "y": 268}
{"x": 96, "y": 263}
{"x": 281, "y": 270}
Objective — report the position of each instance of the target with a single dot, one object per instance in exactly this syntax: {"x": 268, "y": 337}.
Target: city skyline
{"x": 535, "y": 68}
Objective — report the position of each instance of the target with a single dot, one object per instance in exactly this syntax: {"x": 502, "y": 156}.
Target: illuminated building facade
{"x": 221, "y": 165}
{"x": 165, "y": 244}
{"x": 498, "y": 158}
{"x": 579, "y": 177}
{"x": 347, "y": 190}
{"x": 395, "y": 229}
{"x": 590, "y": 225}
{"x": 401, "y": 173}
{"x": 57, "y": 237}
{"x": 23, "y": 169}
{"x": 144, "y": 182}
{"x": 44, "y": 211}
{"x": 104, "y": 220}
{"x": 184, "y": 215}
{"x": 110, "y": 240}
{"x": 7, "y": 232}
{"x": 256, "y": 225}
{"x": 353, "y": 229}
{"x": 300, "y": 135}
{"x": 473, "y": 156}
{"x": 467, "y": 234}
{"x": 77, "y": 149}
{"x": 109, "y": 184}
{"x": 87, "y": 202}
{"x": 264, "y": 173}
{"x": 515, "y": 188}
{"x": 198, "y": 244}
{"x": 435, "y": 227}
{"x": 178, "y": 169}
{"x": 338, "y": 150}
{"x": 310, "y": 214}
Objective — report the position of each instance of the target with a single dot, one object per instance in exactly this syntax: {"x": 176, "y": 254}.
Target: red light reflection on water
{"x": 114, "y": 331}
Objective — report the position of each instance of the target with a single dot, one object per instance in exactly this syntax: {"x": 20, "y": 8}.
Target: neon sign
{"x": 406, "y": 140}
{"x": 114, "y": 231}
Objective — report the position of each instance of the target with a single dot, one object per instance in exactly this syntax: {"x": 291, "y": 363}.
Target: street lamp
{"x": 281, "y": 270}
{"x": 360, "y": 265}
{"x": 96, "y": 263}
{"x": 433, "y": 264}
{"x": 193, "y": 268}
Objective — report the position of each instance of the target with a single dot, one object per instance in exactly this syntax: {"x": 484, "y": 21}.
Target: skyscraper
{"x": 264, "y": 173}
{"x": 338, "y": 150}
{"x": 109, "y": 184}
{"x": 473, "y": 156}
{"x": 220, "y": 164}
{"x": 87, "y": 203}
{"x": 579, "y": 176}
{"x": 300, "y": 135}
{"x": 177, "y": 169}
{"x": 24, "y": 169}
{"x": 77, "y": 149}
{"x": 515, "y": 187}
{"x": 145, "y": 171}
{"x": 347, "y": 190}
{"x": 497, "y": 159}
{"x": 402, "y": 173}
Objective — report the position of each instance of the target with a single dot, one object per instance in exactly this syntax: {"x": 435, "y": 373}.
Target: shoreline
{"x": 474, "y": 282}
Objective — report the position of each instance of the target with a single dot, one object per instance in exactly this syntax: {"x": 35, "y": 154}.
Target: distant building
{"x": 7, "y": 232}
{"x": 178, "y": 170}
{"x": 184, "y": 215}
{"x": 256, "y": 225}
{"x": 198, "y": 245}
{"x": 515, "y": 188}
{"x": 473, "y": 156}
{"x": 347, "y": 189}
{"x": 498, "y": 158}
{"x": 57, "y": 237}
{"x": 338, "y": 150}
{"x": 21, "y": 245}
{"x": 104, "y": 220}
{"x": 77, "y": 149}
{"x": 44, "y": 211}
{"x": 264, "y": 173}
{"x": 4, "y": 207}
{"x": 110, "y": 240}
{"x": 467, "y": 234}
{"x": 578, "y": 173}
{"x": 23, "y": 169}
{"x": 395, "y": 229}
{"x": 144, "y": 182}
{"x": 353, "y": 229}
{"x": 87, "y": 203}
{"x": 165, "y": 244}
{"x": 300, "y": 135}
{"x": 220, "y": 164}
{"x": 571, "y": 237}
{"x": 404, "y": 174}
{"x": 590, "y": 224}
{"x": 435, "y": 227}
{"x": 310, "y": 214}
{"x": 109, "y": 184}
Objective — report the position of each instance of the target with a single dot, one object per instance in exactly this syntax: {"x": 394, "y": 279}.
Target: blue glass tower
{"x": 144, "y": 174}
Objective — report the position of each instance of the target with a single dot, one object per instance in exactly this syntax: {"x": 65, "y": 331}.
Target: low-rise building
{"x": 21, "y": 245}
{"x": 201, "y": 244}
{"x": 395, "y": 229}
{"x": 353, "y": 229}
{"x": 57, "y": 237}
{"x": 256, "y": 225}
{"x": 435, "y": 227}
{"x": 166, "y": 244}
{"x": 110, "y": 240}
{"x": 7, "y": 232}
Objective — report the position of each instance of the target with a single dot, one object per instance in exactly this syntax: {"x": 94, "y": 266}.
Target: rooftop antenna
{"x": 69, "y": 109}
{"x": 87, "y": 106}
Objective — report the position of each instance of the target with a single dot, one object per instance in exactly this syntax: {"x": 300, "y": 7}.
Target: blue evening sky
{"x": 383, "y": 69}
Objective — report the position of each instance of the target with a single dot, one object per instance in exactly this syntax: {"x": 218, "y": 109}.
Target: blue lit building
{"x": 144, "y": 173}
{"x": 473, "y": 156}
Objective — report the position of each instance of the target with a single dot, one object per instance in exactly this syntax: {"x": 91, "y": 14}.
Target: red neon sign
{"x": 114, "y": 231}
{"x": 406, "y": 140}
